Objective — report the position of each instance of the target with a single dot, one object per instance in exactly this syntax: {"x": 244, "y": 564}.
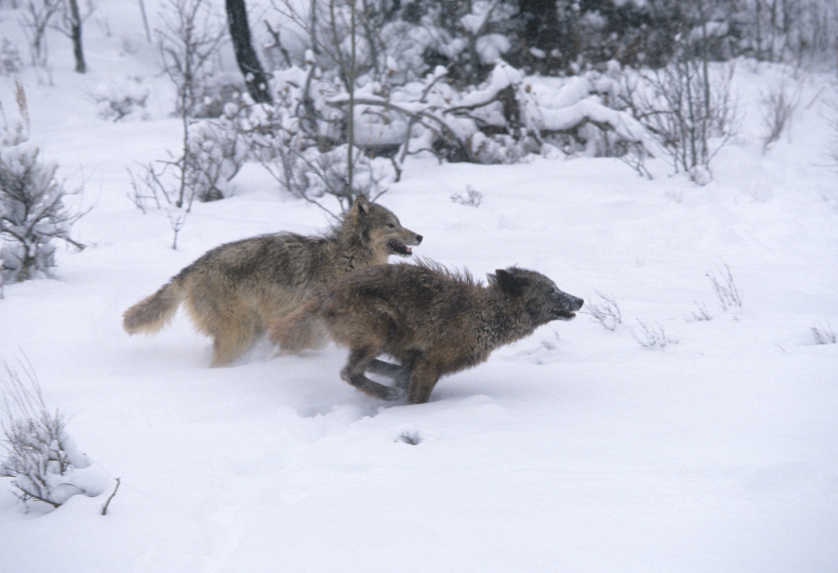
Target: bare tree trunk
{"x": 75, "y": 35}
{"x": 542, "y": 26}
{"x": 757, "y": 17}
{"x": 254, "y": 75}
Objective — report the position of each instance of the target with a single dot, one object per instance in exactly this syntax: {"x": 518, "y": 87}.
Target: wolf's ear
{"x": 361, "y": 205}
{"x": 510, "y": 282}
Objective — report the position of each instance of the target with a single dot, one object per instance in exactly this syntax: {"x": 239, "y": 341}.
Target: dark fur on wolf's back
{"x": 432, "y": 321}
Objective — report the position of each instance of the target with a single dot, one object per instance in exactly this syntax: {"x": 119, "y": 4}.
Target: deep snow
{"x": 573, "y": 450}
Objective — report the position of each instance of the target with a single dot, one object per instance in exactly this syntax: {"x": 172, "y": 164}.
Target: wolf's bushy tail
{"x": 299, "y": 330}
{"x": 154, "y": 312}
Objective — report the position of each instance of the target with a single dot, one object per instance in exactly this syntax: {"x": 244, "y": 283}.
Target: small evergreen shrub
{"x": 32, "y": 213}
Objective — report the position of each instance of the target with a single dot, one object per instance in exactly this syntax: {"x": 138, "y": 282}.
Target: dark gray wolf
{"x": 233, "y": 291}
{"x": 432, "y": 321}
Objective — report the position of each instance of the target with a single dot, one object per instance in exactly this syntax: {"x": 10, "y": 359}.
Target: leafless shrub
{"x": 411, "y": 438}
{"x": 116, "y": 109}
{"x": 329, "y": 29}
{"x": 215, "y": 155}
{"x": 147, "y": 186}
{"x": 605, "y": 311}
{"x": 635, "y": 157}
{"x": 823, "y": 333}
{"x": 472, "y": 198}
{"x": 177, "y": 219}
{"x": 690, "y": 109}
{"x": 652, "y": 337}
{"x": 117, "y": 102}
{"x": 155, "y": 181}
{"x": 188, "y": 42}
{"x": 164, "y": 179}
{"x": 778, "y": 107}
{"x": 212, "y": 156}
{"x": 35, "y": 20}
{"x": 725, "y": 288}
{"x": 312, "y": 175}
{"x": 700, "y": 314}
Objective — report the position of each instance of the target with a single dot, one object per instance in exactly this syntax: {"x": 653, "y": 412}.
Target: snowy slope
{"x": 576, "y": 449}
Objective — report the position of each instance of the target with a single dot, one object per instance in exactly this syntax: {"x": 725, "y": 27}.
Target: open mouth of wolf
{"x": 399, "y": 248}
{"x": 563, "y": 314}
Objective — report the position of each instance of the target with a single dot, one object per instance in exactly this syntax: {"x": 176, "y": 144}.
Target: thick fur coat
{"x": 431, "y": 321}
{"x": 233, "y": 291}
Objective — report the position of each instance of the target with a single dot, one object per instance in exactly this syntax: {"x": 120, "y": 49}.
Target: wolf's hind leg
{"x": 359, "y": 362}
{"x": 232, "y": 325}
{"x": 233, "y": 342}
{"x": 233, "y": 335}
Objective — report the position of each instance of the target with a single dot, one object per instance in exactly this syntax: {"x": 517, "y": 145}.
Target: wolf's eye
{"x": 391, "y": 226}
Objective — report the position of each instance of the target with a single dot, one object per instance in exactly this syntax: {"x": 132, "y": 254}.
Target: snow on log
{"x": 590, "y": 110}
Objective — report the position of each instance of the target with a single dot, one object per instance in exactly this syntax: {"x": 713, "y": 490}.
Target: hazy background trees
{"x": 332, "y": 96}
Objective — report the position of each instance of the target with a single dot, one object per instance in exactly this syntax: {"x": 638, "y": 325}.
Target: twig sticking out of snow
{"x": 108, "y": 502}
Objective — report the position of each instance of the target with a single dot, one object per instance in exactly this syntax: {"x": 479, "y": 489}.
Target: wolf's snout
{"x": 570, "y": 302}
{"x": 566, "y": 305}
{"x": 418, "y": 239}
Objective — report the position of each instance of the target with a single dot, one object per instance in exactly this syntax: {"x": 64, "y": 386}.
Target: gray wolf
{"x": 432, "y": 321}
{"x": 233, "y": 291}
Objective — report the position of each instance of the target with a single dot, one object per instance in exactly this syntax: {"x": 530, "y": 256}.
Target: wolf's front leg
{"x": 423, "y": 378}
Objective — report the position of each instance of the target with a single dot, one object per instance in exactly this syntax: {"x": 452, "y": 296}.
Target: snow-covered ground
{"x": 576, "y": 449}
